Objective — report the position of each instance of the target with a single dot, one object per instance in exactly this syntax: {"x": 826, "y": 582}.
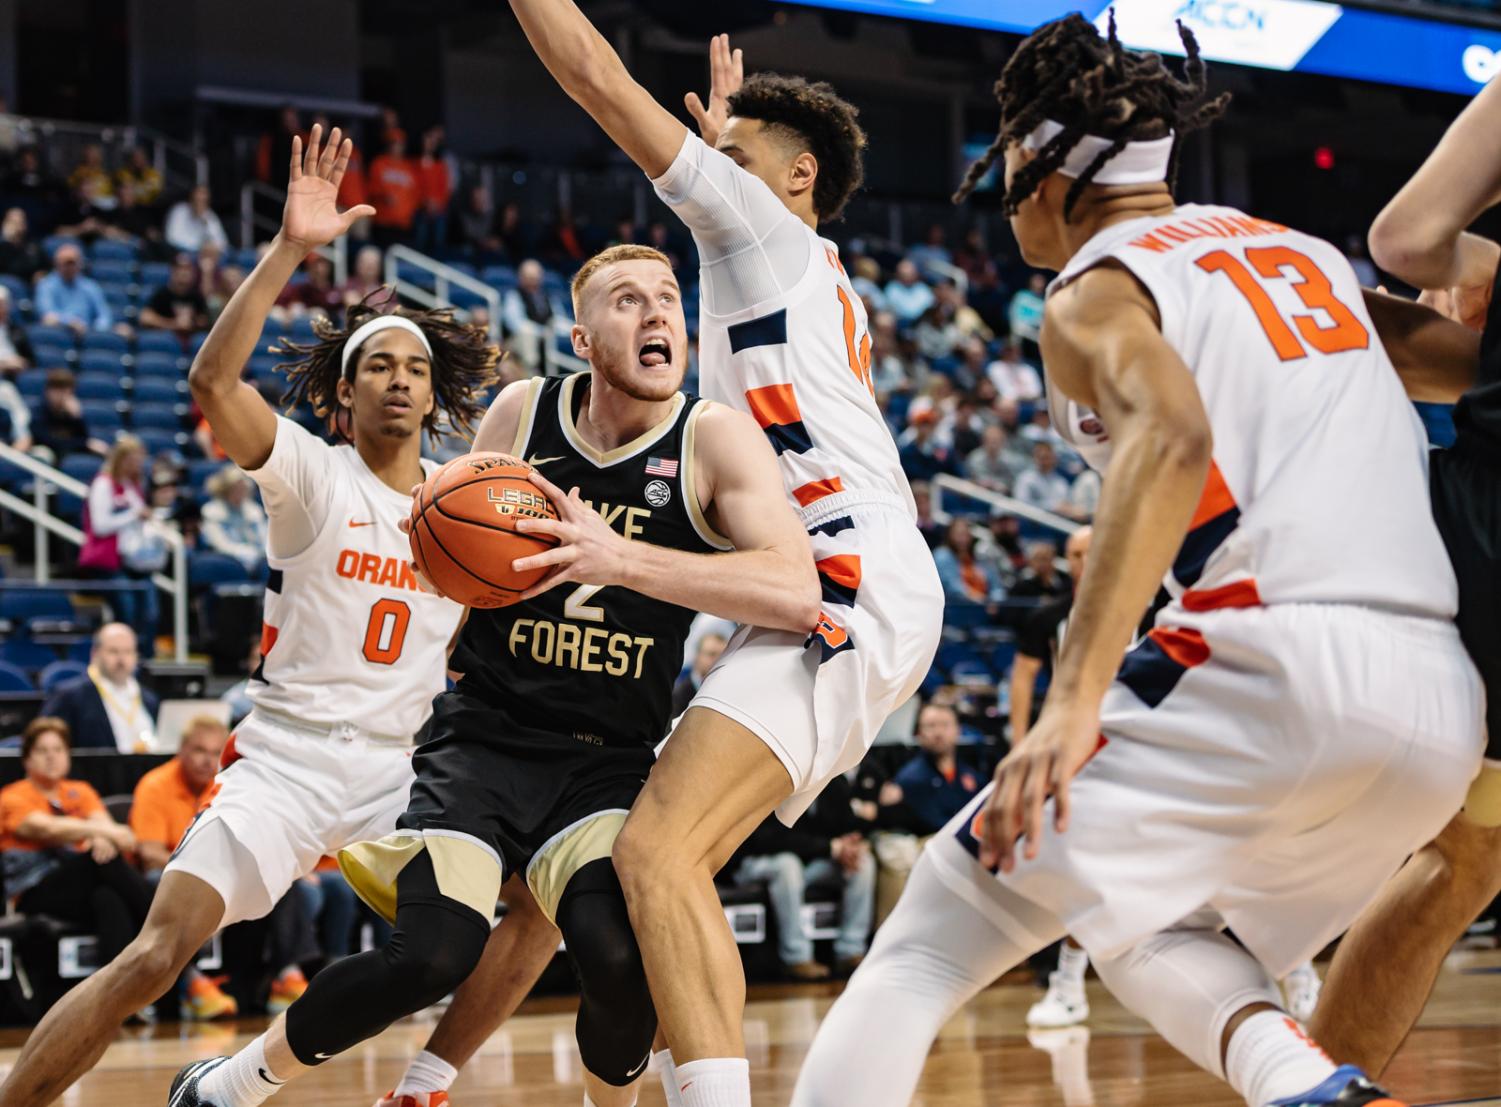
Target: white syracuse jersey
{"x": 1318, "y": 488}
{"x": 349, "y": 636}
{"x": 782, "y": 334}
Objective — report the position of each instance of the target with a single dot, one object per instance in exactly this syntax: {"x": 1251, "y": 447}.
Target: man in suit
{"x": 108, "y": 708}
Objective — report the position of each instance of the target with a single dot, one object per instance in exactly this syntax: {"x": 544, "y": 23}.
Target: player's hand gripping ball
{"x": 464, "y": 535}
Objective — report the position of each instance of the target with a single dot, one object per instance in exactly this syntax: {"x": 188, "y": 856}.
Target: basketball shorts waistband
{"x": 327, "y": 730}
{"x": 853, "y": 502}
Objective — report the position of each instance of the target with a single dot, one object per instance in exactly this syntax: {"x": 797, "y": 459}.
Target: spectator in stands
{"x": 1014, "y": 378}
{"x": 314, "y": 296}
{"x": 60, "y": 427}
{"x": 166, "y": 801}
{"x": 865, "y": 279}
{"x": 67, "y": 298}
{"x": 233, "y": 523}
{"x": 118, "y": 544}
{"x": 16, "y": 354}
{"x": 130, "y": 220}
{"x": 988, "y": 466}
{"x": 938, "y": 332}
{"x": 1041, "y": 577}
{"x": 365, "y": 279}
{"x": 826, "y": 845}
{"x": 710, "y": 646}
{"x": 274, "y": 151}
{"x": 965, "y": 578}
{"x": 1041, "y": 484}
{"x": 1083, "y": 496}
{"x": 193, "y": 221}
{"x": 436, "y": 188}
{"x": 528, "y": 310}
{"x": 1024, "y": 315}
{"x": 931, "y": 528}
{"x": 511, "y": 233}
{"x": 19, "y": 255}
{"x": 1004, "y": 543}
{"x": 1040, "y": 635}
{"x": 61, "y": 851}
{"x": 29, "y": 178}
{"x": 477, "y": 225}
{"x": 15, "y": 416}
{"x": 907, "y": 297}
{"x": 144, "y": 179}
{"x": 107, "y": 708}
{"x": 91, "y": 180}
{"x": 178, "y": 305}
{"x": 975, "y": 259}
{"x": 354, "y": 191}
{"x": 923, "y": 456}
{"x": 932, "y": 254}
{"x": 216, "y": 280}
{"x": 889, "y": 370}
{"x": 974, "y": 354}
{"x": 920, "y": 799}
{"x": 395, "y": 191}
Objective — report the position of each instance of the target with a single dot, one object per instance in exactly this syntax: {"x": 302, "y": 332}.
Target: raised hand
{"x": 726, "y": 75}
{"x": 311, "y": 217}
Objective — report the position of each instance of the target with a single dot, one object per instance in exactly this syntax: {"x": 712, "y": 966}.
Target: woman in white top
{"x": 233, "y": 523}
{"x": 114, "y": 516}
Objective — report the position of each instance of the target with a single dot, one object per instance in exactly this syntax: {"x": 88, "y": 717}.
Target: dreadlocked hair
{"x": 1068, "y": 72}
{"x": 464, "y": 363}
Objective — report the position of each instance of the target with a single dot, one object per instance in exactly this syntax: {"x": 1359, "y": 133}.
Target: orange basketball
{"x": 464, "y": 535}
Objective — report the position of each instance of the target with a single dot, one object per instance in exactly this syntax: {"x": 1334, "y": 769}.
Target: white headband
{"x": 1137, "y": 163}
{"x": 380, "y": 323}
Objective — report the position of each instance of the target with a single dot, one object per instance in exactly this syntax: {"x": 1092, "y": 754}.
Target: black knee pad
{"x": 616, "y": 1022}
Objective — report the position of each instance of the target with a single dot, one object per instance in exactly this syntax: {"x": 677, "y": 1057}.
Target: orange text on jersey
{"x": 388, "y": 572}
{"x": 1164, "y": 238}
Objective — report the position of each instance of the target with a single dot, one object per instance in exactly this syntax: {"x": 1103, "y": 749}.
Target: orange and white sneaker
{"x": 206, "y": 1001}
{"x": 414, "y": 1099}
{"x": 286, "y": 991}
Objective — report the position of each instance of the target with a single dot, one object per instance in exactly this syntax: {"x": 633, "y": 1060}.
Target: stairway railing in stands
{"x": 62, "y": 141}
{"x": 446, "y": 277}
{"x": 255, "y": 199}
{"x": 49, "y": 481}
{"x": 1007, "y": 504}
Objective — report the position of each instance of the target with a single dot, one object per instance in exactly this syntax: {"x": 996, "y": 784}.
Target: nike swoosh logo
{"x": 635, "y": 1072}
{"x": 353, "y": 525}
{"x": 324, "y": 1056}
{"x": 535, "y": 461}
{"x": 269, "y": 1079}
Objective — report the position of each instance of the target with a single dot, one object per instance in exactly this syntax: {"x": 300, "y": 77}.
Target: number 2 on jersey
{"x": 1314, "y": 289}
{"x": 387, "y": 631}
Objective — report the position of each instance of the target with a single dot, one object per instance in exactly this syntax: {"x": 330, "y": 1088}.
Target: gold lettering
{"x": 642, "y": 644}
{"x": 539, "y": 655}
{"x": 518, "y": 634}
{"x": 589, "y": 653}
{"x": 635, "y": 519}
{"x": 620, "y": 659}
{"x": 568, "y": 644}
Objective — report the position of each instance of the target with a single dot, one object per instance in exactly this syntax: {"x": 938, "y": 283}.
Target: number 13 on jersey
{"x": 1345, "y": 332}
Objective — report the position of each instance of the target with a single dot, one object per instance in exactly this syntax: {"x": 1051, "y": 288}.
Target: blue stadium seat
{"x": 155, "y": 417}
{"x": 200, "y": 471}
{"x": 117, "y": 296}
{"x": 20, "y": 291}
{"x": 84, "y": 467}
{"x": 156, "y": 441}
{"x": 101, "y": 384}
{"x": 52, "y": 356}
{"x": 99, "y": 414}
{"x": 212, "y": 568}
{"x": 154, "y": 274}
{"x": 965, "y": 616}
{"x": 26, "y": 654}
{"x": 158, "y": 390}
{"x": 106, "y": 340}
{"x": 301, "y": 330}
{"x": 101, "y": 362}
{"x": 54, "y": 242}
{"x": 32, "y": 383}
{"x": 21, "y": 604}
{"x": 109, "y": 271}
{"x": 1002, "y": 657}
{"x": 59, "y": 672}
{"x": 13, "y": 679}
{"x": 464, "y": 298}
{"x": 159, "y": 342}
{"x": 156, "y": 363}
{"x": 972, "y": 671}
{"x": 196, "y": 343}
{"x": 107, "y": 249}
{"x": 499, "y": 276}
{"x": 43, "y": 334}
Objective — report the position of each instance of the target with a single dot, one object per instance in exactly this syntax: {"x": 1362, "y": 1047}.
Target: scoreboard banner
{"x": 1305, "y": 36}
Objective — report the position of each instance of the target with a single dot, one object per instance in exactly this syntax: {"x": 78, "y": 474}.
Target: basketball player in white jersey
{"x": 1303, "y": 714}
{"x": 782, "y": 336}
{"x": 353, "y": 650}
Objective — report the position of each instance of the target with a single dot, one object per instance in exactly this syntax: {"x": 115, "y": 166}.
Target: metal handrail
{"x": 251, "y": 221}
{"x": 34, "y": 128}
{"x": 1008, "y": 504}
{"x": 38, "y": 514}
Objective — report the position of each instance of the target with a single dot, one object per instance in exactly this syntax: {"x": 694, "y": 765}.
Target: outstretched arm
{"x": 242, "y": 422}
{"x": 1437, "y": 358}
{"x": 768, "y": 580}
{"x": 1420, "y": 236}
{"x": 590, "y": 71}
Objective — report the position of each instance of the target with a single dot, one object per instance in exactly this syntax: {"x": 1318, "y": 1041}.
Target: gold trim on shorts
{"x": 568, "y": 851}
{"x": 467, "y": 872}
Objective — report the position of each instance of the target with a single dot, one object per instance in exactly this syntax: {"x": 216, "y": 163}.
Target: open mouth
{"x": 656, "y": 353}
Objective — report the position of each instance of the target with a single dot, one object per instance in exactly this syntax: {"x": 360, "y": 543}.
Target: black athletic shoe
{"x": 184, "y": 1091}
{"x": 1347, "y": 1086}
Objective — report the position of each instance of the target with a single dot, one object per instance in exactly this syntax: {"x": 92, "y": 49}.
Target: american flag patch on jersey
{"x": 662, "y": 466}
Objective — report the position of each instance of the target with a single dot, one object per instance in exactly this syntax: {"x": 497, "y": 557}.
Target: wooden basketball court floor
{"x": 983, "y": 1057}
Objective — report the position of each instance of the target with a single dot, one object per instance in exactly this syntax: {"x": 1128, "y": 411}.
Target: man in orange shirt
{"x": 436, "y": 188}
{"x": 165, "y": 803}
{"x": 395, "y": 191}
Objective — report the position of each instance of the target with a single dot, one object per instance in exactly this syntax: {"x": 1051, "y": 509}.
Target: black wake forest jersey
{"x": 1477, "y": 416}
{"x": 595, "y": 663}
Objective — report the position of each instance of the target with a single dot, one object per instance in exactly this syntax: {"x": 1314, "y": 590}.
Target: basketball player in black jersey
{"x": 536, "y": 756}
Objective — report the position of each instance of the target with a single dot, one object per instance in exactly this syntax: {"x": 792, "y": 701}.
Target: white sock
{"x": 713, "y": 1082}
{"x": 669, "y": 1074}
{"x": 426, "y": 1072}
{"x": 245, "y": 1080}
{"x": 1073, "y": 963}
{"x": 590, "y": 1103}
{"x": 1270, "y": 1058}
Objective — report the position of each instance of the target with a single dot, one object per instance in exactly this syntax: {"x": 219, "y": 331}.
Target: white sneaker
{"x": 1062, "y": 1006}
{"x": 1302, "y": 990}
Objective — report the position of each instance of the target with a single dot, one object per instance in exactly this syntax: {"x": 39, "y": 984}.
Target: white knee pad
{"x": 1187, "y": 984}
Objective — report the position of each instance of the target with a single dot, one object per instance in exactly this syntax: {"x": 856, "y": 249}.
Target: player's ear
{"x": 344, "y": 392}
{"x": 580, "y": 338}
{"x": 802, "y": 173}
